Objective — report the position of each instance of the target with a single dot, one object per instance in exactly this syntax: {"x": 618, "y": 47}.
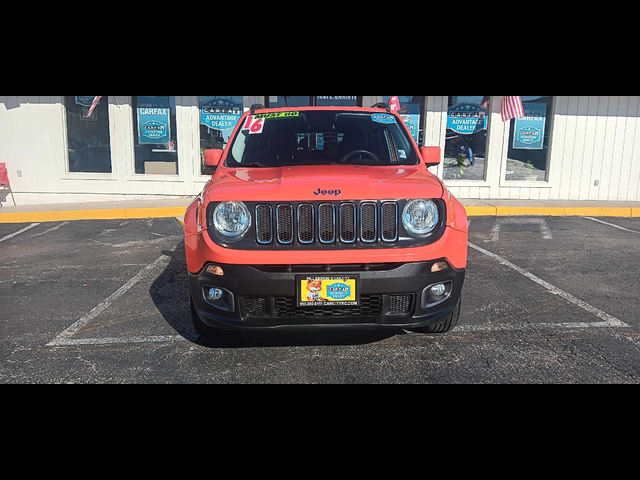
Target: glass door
{"x": 88, "y": 136}
{"x": 155, "y": 135}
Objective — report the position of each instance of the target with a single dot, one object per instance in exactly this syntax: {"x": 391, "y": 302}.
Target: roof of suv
{"x": 303, "y": 109}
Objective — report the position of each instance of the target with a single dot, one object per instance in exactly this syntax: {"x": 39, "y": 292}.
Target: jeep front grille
{"x": 369, "y": 222}
{"x": 306, "y": 221}
{"x": 327, "y": 223}
{"x": 284, "y": 224}
{"x": 348, "y": 222}
{"x": 264, "y": 229}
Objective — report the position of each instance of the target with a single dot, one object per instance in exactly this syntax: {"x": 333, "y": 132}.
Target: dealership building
{"x": 148, "y": 147}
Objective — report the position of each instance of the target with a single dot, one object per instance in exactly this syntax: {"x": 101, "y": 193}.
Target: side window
{"x": 156, "y": 144}
{"x": 219, "y": 116}
{"x": 88, "y": 136}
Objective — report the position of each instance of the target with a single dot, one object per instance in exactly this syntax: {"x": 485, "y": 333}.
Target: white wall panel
{"x": 595, "y": 151}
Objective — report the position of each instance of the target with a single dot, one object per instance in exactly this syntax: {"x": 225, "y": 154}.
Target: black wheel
{"x": 204, "y": 330}
{"x": 444, "y": 326}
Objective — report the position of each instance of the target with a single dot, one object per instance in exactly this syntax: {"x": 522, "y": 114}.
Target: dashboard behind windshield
{"x": 321, "y": 138}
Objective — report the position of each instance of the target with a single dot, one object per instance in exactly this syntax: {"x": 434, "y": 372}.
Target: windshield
{"x": 321, "y": 138}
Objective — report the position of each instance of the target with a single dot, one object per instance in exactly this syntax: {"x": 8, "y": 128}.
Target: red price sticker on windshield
{"x": 254, "y": 125}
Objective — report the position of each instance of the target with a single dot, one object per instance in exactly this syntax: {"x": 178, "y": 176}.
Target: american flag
{"x": 94, "y": 105}
{"x": 512, "y": 107}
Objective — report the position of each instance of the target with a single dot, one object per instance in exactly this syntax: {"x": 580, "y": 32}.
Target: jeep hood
{"x": 325, "y": 182}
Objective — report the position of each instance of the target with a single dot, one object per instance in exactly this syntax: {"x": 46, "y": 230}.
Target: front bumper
{"x": 264, "y": 297}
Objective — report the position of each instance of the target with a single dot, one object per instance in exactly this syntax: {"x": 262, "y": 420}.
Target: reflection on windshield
{"x": 321, "y": 138}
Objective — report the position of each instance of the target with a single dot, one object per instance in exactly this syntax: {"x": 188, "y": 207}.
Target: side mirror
{"x": 212, "y": 160}
{"x": 431, "y": 155}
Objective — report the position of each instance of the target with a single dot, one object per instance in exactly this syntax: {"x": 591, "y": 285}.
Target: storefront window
{"x": 529, "y": 141}
{"x": 156, "y": 145}
{"x": 88, "y": 136}
{"x": 412, "y": 112}
{"x": 465, "y": 151}
{"x": 218, "y": 118}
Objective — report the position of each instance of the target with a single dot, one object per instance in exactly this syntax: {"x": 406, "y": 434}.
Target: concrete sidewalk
{"x": 176, "y": 208}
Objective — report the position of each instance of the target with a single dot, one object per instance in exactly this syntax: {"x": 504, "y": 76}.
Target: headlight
{"x": 232, "y": 219}
{"x": 420, "y": 217}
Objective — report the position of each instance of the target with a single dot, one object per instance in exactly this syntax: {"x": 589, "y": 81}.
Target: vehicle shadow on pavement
{"x": 170, "y": 294}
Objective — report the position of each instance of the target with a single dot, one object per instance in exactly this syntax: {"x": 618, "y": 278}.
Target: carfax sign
{"x": 467, "y": 119}
{"x": 529, "y": 130}
{"x": 220, "y": 114}
{"x": 154, "y": 120}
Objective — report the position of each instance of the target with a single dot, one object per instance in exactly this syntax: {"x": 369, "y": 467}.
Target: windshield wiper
{"x": 256, "y": 165}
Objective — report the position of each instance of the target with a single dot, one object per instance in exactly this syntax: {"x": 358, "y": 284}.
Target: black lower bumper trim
{"x": 265, "y": 298}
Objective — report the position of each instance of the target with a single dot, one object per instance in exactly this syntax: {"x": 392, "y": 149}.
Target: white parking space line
{"x": 608, "y": 320}
{"x": 612, "y": 225}
{"x": 66, "y": 336}
{"x": 25, "y": 229}
{"x": 58, "y": 227}
{"x": 535, "y": 326}
{"x": 72, "y": 342}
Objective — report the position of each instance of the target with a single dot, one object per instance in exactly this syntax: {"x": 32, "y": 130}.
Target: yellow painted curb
{"x": 597, "y": 212}
{"x": 168, "y": 212}
{"x": 523, "y": 211}
{"x": 481, "y": 211}
{"x": 162, "y": 212}
{"x": 490, "y": 211}
{"x": 108, "y": 214}
{"x": 114, "y": 214}
{"x": 27, "y": 217}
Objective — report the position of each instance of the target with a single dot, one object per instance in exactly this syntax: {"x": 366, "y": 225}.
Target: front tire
{"x": 445, "y": 326}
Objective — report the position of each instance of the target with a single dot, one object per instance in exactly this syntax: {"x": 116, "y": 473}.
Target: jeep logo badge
{"x": 334, "y": 193}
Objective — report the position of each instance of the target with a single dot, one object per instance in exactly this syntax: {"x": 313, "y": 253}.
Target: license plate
{"x": 328, "y": 291}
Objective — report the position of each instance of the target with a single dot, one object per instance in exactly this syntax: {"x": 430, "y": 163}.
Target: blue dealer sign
{"x": 220, "y": 114}
{"x": 154, "y": 120}
{"x": 529, "y": 130}
{"x": 467, "y": 118}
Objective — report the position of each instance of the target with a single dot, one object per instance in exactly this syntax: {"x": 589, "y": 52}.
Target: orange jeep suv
{"x": 325, "y": 218}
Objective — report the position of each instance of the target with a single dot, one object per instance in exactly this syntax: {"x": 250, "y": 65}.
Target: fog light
{"x": 214, "y": 294}
{"x": 219, "y": 298}
{"x": 438, "y": 290}
{"x": 436, "y": 294}
{"x": 215, "y": 270}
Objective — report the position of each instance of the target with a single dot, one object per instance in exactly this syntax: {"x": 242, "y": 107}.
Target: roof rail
{"x": 257, "y": 106}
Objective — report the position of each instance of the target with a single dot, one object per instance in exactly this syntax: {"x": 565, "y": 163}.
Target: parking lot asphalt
{"x": 546, "y": 300}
